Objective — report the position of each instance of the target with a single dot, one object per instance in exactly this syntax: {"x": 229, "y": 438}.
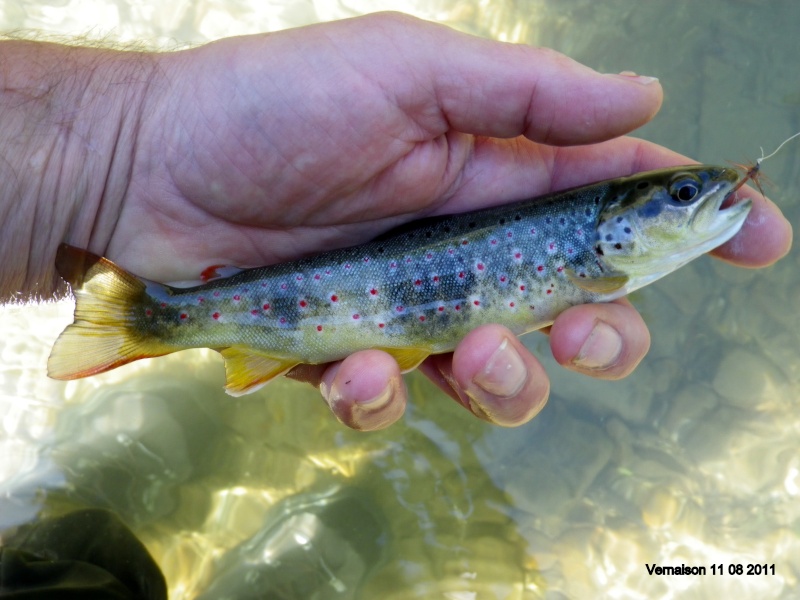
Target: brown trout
{"x": 415, "y": 291}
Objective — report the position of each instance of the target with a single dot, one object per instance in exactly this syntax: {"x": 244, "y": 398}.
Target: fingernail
{"x": 505, "y": 374}
{"x": 601, "y": 349}
{"x": 631, "y": 76}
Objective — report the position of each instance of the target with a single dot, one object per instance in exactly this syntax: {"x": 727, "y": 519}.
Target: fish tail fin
{"x": 102, "y": 335}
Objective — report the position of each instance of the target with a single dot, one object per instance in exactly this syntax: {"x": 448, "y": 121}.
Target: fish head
{"x": 655, "y": 222}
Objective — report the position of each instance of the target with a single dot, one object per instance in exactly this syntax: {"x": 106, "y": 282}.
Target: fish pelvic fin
{"x": 102, "y": 336}
{"x": 247, "y": 370}
{"x": 407, "y": 359}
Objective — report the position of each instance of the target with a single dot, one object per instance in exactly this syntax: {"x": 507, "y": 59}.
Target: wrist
{"x": 70, "y": 118}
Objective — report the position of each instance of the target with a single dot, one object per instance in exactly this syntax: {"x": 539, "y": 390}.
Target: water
{"x": 694, "y": 459}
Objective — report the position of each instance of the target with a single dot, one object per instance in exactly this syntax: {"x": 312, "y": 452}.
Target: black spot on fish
{"x": 447, "y": 230}
{"x": 627, "y": 230}
{"x": 517, "y": 217}
{"x": 472, "y": 225}
{"x": 548, "y": 220}
{"x": 609, "y": 237}
{"x": 562, "y": 221}
{"x": 428, "y": 234}
{"x": 599, "y": 251}
{"x": 618, "y": 246}
{"x": 597, "y": 199}
{"x": 642, "y": 185}
{"x": 619, "y": 219}
{"x": 502, "y": 221}
{"x": 588, "y": 212}
{"x": 380, "y": 249}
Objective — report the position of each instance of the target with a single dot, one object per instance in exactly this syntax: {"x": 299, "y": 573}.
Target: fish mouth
{"x": 720, "y": 216}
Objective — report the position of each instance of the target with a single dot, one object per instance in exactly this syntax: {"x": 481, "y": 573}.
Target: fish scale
{"x": 415, "y": 291}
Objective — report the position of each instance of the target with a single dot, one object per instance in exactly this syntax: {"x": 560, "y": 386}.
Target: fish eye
{"x": 684, "y": 191}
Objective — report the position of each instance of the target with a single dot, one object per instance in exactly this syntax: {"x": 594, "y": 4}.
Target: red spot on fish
{"x": 493, "y": 242}
{"x": 480, "y": 266}
{"x": 334, "y": 298}
{"x": 356, "y": 316}
{"x": 458, "y": 307}
{"x": 464, "y": 242}
{"x": 392, "y": 265}
{"x": 302, "y": 303}
{"x": 429, "y": 256}
{"x": 408, "y": 260}
{"x": 163, "y": 305}
{"x": 216, "y": 294}
{"x": 215, "y": 316}
{"x": 317, "y": 277}
{"x": 518, "y": 255}
{"x": 148, "y": 312}
{"x": 327, "y": 271}
{"x": 569, "y": 250}
{"x": 510, "y": 234}
{"x": 511, "y": 304}
{"x": 282, "y": 320}
{"x": 476, "y": 302}
{"x": 266, "y": 306}
{"x": 366, "y": 259}
{"x": 579, "y": 232}
{"x": 461, "y": 275}
{"x": 502, "y": 278}
{"x": 540, "y": 268}
{"x": 552, "y": 245}
{"x": 441, "y": 309}
{"x": 533, "y": 231}
{"x": 254, "y": 312}
{"x": 549, "y": 291}
{"x": 435, "y": 279}
{"x": 348, "y": 266}
{"x": 184, "y": 316}
{"x": 374, "y": 292}
{"x": 236, "y": 298}
{"x": 200, "y": 300}
{"x": 418, "y": 282}
{"x": 381, "y": 325}
{"x": 422, "y": 318}
{"x": 319, "y": 327}
{"x": 522, "y": 288}
{"x": 283, "y": 286}
{"x": 561, "y": 268}
{"x": 399, "y": 309}
{"x": 451, "y": 251}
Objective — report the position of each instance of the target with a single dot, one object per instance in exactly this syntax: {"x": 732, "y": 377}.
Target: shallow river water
{"x": 694, "y": 459}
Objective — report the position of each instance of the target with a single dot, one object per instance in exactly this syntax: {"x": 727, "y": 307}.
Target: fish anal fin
{"x": 247, "y": 370}
{"x": 603, "y": 284}
{"x": 407, "y": 358}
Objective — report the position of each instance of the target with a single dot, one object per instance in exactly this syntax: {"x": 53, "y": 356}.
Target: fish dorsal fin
{"x": 606, "y": 283}
{"x": 219, "y": 272}
{"x": 246, "y": 370}
{"x": 407, "y": 358}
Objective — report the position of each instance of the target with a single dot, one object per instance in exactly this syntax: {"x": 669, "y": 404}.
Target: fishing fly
{"x": 752, "y": 172}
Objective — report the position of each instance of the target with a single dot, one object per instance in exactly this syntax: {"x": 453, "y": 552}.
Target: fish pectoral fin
{"x": 247, "y": 370}
{"x": 603, "y": 284}
{"x": 407, "y": 358}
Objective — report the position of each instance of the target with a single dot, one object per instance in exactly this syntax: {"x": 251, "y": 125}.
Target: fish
{"x": 412, "y": 292}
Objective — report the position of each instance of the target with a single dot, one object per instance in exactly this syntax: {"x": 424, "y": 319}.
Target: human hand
{"x": 261, "y": 149}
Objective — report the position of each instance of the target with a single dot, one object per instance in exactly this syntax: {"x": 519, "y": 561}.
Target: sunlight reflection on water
{"x": 694, "y": 459}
